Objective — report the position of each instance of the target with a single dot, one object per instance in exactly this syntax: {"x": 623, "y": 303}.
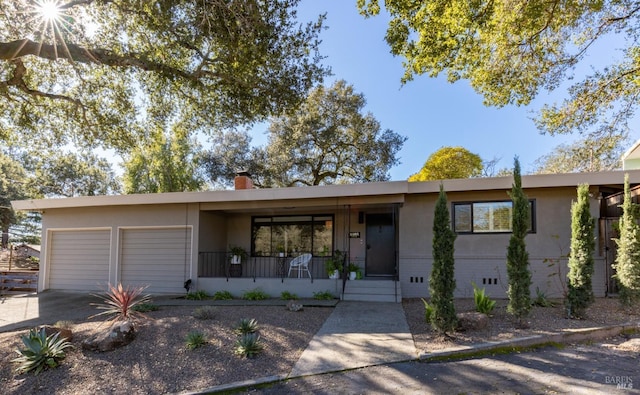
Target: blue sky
{"x": 431, "y": 112}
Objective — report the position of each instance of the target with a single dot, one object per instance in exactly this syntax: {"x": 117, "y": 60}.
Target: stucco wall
{"x": 481, "y": 258}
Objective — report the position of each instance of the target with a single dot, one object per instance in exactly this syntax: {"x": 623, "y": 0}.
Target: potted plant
{"x": 353, "y": 271}
{"x": 238, "y": 254}
{"x": 280, "y": 250}
{"x": 331, "y": 267}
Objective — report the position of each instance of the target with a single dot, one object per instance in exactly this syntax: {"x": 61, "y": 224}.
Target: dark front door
{"x": 381, "y": 242}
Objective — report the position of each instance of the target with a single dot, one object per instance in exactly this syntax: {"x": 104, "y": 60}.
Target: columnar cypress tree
{"x": 517, "y": 255}
{"x": 442, "y": 282}
{"x": 580, "y": 292}
{"x": 628, "y": 255}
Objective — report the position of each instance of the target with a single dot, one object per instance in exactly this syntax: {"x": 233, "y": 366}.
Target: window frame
{"x": 315, "y": 219}
{"x": 470, "y": 203}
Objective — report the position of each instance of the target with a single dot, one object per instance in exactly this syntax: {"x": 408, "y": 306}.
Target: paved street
{"x": 571, "y": 370}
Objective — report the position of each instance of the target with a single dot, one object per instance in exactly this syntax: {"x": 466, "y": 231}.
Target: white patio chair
{"x": 300, "y": 263}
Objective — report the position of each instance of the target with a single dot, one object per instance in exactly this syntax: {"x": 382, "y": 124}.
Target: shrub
{"x": 428, "y": 311}
{"x": 517, "y": 255}
{"x": 205, "y": 312}
{"x": 326, "y": 295}
{"x": 247, "y": 325}
{"x": 198, "y": 295}
{"x": 286, "y": 295}
{"x": 484, "y": 304}
{"x": 195, "y": 339}
{"x": 580, "y": 289}
{"x": 119, "y": 302}
{"x": 248, "y": 345}
{"x": 222, "y": 295}
{"x": 255, "y": 294}
{"x": 541, "y": 299}
{"x": 145, "y": 307}
{"x": 42, "y": 351}
{"x": 442, "y": 281}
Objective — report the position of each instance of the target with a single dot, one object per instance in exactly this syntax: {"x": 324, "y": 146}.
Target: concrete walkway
{"x": 358, "y": 334}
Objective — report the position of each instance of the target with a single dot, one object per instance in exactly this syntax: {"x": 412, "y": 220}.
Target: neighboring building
{"x": 166, "y": 239}
{"x": 631, "y": 158}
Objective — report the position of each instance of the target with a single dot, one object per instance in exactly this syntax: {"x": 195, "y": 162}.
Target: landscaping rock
{"x": 63, "y": 333}
{"x": 292, "y": 305}
{"x": 471, "y": 321}
{"x": 120, "y": 334}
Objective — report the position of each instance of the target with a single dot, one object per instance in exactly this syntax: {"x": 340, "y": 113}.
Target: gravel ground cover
{"x": 158, "y": 360}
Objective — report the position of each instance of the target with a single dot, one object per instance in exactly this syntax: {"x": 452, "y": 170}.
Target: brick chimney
{"x": 243, "y": 180}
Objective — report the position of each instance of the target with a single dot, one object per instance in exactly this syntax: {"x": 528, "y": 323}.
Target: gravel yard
{"x": 158, "y": 361}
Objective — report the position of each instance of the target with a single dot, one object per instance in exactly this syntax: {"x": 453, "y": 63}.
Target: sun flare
{"x": 49, "y": 9}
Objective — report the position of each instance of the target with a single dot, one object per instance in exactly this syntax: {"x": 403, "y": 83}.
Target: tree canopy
{"x": 510, "y": 51}
{"x": 327, "y": 140}
{"x": 450, "y": 163}
{"x": 584, "y": 155}
{"x": 92, "y": 73}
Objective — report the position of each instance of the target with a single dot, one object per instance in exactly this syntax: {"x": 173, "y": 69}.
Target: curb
{"x": 570, "y": 336}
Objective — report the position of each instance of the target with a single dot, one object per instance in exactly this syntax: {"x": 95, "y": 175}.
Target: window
{"x": 487, "y": 217}
{"x": 292, "y": 235}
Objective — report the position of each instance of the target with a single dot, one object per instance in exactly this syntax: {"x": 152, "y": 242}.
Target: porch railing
{"x": 218, "y": 264}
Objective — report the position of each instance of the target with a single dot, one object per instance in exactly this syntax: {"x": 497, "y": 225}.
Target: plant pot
{"x": 235, "y": 270}
{"x": 334, "y": 275}
{"x": 236, "y": 259}
{"x": 353, "y": 275}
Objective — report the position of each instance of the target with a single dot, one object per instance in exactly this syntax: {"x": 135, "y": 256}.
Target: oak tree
{"x": 92, "y": 72}
{"x": 512, "y": 50}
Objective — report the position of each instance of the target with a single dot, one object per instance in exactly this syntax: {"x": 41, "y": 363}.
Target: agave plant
{"x": 119, "y": 302}
{"x": 248, "y": 345}
{"x": 247, "y": 325}
{"x": 41, "y": 351}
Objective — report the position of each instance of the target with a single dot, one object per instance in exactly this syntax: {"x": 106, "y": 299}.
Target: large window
{"x": 292, "y": 235}
{"x": 487, "y": 217}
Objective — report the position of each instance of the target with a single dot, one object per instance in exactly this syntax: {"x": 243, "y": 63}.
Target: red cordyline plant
{"x": 119, "y": 302}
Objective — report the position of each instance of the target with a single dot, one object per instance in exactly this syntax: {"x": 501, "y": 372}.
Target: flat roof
{"x": 390, "y": 189}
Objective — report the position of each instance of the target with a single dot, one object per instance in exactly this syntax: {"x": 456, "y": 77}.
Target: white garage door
{"x": 159, "y": 258}
{"x": 79, "y": 260}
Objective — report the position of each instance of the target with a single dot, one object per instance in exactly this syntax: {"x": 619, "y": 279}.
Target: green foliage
{"x": 204, "y": 65}
{"x": 449, "y": 163}
{"x": 334, "y": 263}
{"x": 165, "y": 162}
{"x": 41, "y": 351}
{"x": 72, "y": 174}
{"x": 587, "y": 154}
{"x": 247, "y": 325}
{"x": 442, "y": 282}
{"x": 627, "y": 263}
{"x": 198, "y": 295}
{"x": 517, "y": 255}
{"x": 145, "y": 307}
{"x": 579, "y": 288}
{"x": 326, "y": 295}
{"x": 248, "y": 345}
{"x": 205, "y": 312}
{"x": 222, "y": 295}
{"x": 541, "y": 299}
{"x": 511, "y": 51}
{"x": 10, "y": 170}
{"x": 327, "y": 140}
{"x": 195, "y": 339}
{"x": 483, "y": 302}
{"x": 428, "y": 311}
{"x": 119, "y": 302}
{"x": 255, "y": 294}
{"x": 286, "y": 295}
